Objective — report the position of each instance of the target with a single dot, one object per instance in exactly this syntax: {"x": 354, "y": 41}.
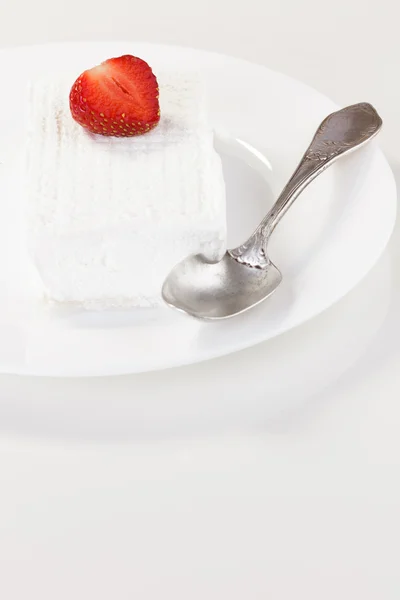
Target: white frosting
{"x": 107, "y": 218}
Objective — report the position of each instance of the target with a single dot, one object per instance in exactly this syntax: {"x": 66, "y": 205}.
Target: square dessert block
{"x": 107, "y": 218}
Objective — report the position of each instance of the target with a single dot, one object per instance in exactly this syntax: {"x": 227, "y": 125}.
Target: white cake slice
{"x": 107, "y": 218}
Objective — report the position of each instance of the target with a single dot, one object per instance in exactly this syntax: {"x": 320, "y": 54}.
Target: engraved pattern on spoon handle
{"x": 340, "y": 133}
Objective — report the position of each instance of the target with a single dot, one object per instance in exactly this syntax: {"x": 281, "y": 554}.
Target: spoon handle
{"x": 340, "y": 133}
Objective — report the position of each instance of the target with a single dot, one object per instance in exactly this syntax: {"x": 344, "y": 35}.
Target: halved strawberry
{"x": 118, "y": 97}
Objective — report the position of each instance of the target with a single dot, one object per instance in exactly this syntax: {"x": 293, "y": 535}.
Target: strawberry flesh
{"x": 118, "y": 98}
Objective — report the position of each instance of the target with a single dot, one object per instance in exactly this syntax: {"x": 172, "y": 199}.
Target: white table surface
{"x": 270, "y": 474}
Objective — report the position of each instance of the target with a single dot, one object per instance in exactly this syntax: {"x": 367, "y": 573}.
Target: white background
{"x": 271, "y": 474}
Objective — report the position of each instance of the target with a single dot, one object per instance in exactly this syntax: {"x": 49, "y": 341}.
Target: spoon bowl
{"x": 218, "y": 290}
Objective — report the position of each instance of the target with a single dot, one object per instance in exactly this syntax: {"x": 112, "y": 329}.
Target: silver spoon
{"x": 245, "y": 276}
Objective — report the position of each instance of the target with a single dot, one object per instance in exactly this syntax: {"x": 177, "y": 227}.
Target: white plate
{"x": 327, "y": 242}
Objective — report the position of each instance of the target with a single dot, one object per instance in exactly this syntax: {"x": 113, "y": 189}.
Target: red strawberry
{"x": 118, "y": 97}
